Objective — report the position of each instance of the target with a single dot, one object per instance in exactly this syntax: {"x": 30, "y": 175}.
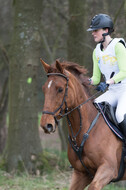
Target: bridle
{"x": 72, "y": 140}
{"x": 66, "y": 107}
{"x": 63, "y": 102}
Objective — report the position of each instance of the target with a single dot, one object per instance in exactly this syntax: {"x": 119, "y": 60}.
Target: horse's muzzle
{"x": 48, "y": 128}
{"x": 48, "y": 123}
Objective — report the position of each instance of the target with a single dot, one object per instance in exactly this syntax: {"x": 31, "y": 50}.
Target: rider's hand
{"x": 102, "y": 87}
{"x": 110, "y": 81}
{"x": 90, "y": 81}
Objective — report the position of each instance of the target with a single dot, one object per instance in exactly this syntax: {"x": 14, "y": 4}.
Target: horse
{"x": 67, "y": 94}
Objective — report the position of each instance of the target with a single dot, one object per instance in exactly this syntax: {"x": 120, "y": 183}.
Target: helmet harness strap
{"x": 104, "y": 35}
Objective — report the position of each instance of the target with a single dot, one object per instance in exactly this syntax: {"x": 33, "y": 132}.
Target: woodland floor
{"x": 50, "y": 141}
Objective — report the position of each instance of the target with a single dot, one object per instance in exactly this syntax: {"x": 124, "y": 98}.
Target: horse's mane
{"x": 78, "y": 71}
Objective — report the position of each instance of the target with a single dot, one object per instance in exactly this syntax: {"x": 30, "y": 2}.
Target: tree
{"x": 75, "y": 48}
{"x": 76, "y": 32}
{"x": 5, "y": 33}
{"x": 23, "y": 142}
{"x": 3, "y": 99}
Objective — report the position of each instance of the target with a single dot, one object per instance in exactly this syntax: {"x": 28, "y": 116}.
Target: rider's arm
{"x": 120, "y": 52}
{"x": 96, "y": 71}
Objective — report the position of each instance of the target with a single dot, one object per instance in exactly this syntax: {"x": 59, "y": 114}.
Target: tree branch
{"x": 45, "y": 43}
{"x": 4, "y": 95}
{"x": 4, "y": 54}
{"x": 63, "y": 16}
{"x": 118, "y": 11}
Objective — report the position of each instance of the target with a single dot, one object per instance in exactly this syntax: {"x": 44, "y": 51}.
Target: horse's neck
{"x": 83, "y": 116}
{"x": 87, "y": 111}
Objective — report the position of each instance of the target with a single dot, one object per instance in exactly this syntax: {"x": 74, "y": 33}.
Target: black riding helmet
{"x": 101, "y": 21}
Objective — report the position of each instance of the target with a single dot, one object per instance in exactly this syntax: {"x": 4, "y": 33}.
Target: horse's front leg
{"x": 79, "y": 180}
{"x": 103, "y": 176}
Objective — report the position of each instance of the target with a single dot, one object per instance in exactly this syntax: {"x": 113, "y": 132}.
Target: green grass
{"x": 55, "y": 174}
{"x": 113, "y": 187}
{"x": 57, "y": 180}
{"x": 55, "y": 177}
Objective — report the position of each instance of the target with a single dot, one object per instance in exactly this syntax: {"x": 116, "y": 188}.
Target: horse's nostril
{"x": 50, "y": 127}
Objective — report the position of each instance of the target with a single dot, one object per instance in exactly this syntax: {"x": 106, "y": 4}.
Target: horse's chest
{"x": 74, "y": 160}
{"x": 76, "y": 163}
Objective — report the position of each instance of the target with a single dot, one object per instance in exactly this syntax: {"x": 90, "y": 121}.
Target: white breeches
{"x": 116, "y": 97}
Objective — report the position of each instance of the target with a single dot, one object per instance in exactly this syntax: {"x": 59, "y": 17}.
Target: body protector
{"x": 107, "y": 60}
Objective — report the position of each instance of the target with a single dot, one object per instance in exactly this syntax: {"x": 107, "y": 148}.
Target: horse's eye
{"x": 60, "y": 89}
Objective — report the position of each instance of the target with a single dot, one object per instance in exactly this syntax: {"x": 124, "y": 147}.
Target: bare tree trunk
{"x": 3, "y": 113}
{"x": 63, "y": 133}
{"x": 75, "y": 48}
{"x": 76, "y": 32}
{"x": 5, "y": 33}
{"x": 23, "y": 137}
{"x": 3, "y": 98}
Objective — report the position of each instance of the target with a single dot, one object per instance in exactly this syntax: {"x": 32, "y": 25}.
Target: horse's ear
{"x": 59, "y": 66}
{"x": 45, "y": 66}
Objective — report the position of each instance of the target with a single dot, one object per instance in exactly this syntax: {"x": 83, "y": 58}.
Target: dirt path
{"x": 50, "y": 141}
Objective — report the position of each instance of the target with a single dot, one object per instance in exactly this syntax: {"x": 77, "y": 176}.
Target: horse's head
{"x": 56, "y": 95}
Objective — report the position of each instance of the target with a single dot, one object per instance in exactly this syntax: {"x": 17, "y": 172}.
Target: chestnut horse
{"x": 66, "y": 89}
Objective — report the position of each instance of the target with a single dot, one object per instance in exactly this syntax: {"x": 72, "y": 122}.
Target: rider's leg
{"x": 116, "y": 98}
{"x": 121, "y": 113}
{"x": 108, "y": 96}
{"x": 122, "y": 126}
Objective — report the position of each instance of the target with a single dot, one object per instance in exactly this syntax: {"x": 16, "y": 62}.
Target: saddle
{"x": 108, "y": 113}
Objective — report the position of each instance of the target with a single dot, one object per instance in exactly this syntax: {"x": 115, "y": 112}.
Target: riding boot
{"x": 122, "y": 126}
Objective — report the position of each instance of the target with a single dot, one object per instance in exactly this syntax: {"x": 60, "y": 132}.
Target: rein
{"x": 72, "y": 140}
{"x": 64, "y": 99}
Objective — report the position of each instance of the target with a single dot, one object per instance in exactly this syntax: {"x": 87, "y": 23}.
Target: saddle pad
{"x": 115, "y": 130}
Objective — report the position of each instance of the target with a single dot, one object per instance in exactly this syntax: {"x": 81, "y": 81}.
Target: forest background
{"x": 49, "y": 29}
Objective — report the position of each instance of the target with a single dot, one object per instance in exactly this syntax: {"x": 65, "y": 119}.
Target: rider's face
{"x": 97, "y": 34}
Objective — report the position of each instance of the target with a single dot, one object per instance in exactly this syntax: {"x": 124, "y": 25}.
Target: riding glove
{"x": 102, "y": 87}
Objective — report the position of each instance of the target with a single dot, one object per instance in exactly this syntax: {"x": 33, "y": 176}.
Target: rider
{"x": 109, "y": 58}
